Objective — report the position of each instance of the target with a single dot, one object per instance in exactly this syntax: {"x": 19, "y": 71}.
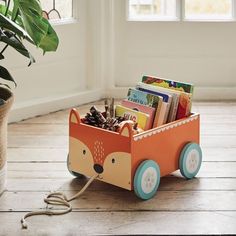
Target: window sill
{"x": 183, "y": 20}
{"x": 209, "y": 20}
{"x": 64, "y": 21}
{"x": 153, "y": 19}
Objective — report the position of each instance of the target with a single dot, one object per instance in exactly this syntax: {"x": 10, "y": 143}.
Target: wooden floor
{"x": 37, "y": 165}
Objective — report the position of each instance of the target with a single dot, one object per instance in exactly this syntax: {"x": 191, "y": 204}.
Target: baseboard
{"x": 200, "y": 93}
{"x": 215, "y": 94}
{"x": 44, "y": 106}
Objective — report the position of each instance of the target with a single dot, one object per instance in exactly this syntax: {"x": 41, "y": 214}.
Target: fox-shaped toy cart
{"x": 134, "y": 162}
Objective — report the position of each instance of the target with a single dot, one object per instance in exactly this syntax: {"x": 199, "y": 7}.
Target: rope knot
{"x": 55, "y": 199}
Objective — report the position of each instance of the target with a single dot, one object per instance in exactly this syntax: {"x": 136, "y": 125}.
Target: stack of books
{"x": 156, "y": 101}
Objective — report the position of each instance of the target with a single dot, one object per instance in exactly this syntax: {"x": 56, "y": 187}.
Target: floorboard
{"x": 37, "y": 154}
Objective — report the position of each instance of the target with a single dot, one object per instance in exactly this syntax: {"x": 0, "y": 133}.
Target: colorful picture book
{"x": 185, "y": 99}
{"x": 171, "y": 84}
{"x": 141, "y": 118}
{"x": 151, "y": 111}
{"x": 145, "y": 89}
{"x": 156, "y": 101}
{"x": 151, "y": 100}
{"x": 171, "y": 104}
{"x": 144, "y": 98}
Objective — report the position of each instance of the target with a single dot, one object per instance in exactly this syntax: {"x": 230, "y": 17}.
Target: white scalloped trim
{"x": 166, "y": 127}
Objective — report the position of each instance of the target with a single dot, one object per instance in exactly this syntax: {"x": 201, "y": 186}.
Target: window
{"x": 152, "y": 9}
{"x": 54, "y": 9}
{"x": 202, "y": 10}
{"x": 208, "y": 9}
{"x": 57, "y": 9}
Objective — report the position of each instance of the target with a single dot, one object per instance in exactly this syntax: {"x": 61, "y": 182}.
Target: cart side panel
{"x": 97, "y": 151}
{"x": 164, "y": 144}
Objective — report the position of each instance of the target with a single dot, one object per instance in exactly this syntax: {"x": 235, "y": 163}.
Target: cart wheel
{"x": 78, "y": 175}
{"x": 190, "y": 160}
{"x": 146, "y": 179}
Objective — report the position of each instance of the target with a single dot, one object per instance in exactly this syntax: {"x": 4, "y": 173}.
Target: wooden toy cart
{"x": 134, "y": 162}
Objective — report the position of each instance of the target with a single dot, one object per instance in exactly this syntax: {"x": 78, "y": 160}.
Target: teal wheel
{"x": 78, "y": 175}
{"x": 190, "y": 160}
{"x": 146, "y": 179}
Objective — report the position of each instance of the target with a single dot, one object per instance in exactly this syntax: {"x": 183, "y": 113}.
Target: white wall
{"x": 197, "y": 52}
{"x": 57, "y": 80}
{"x": 102, "y": 54}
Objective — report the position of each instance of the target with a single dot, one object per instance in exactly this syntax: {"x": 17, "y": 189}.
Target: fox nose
{"x": 98, "y": 168}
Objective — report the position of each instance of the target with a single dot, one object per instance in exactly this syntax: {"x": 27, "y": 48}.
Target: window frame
{"x": 74, "y": 19}
{"x": 158, "y": 18}
{"x": 180, "y": 15}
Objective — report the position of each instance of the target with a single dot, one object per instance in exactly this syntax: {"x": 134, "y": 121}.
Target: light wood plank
{"x": 219, "y": 154}
{"x": 217, "y": 108}
{"x": 40, "y": 170}
{"x": 26, "y": 141}
{"x": 60, "y": 154}
{"x": 206, "y": 129}
{"x": 38, "y": 129}
{"x": 218, "y": 129}
{"x": 226, "y": 141}
{"x": 74, "y": 184}
{"x": 124, "y": 200}
{"x": 122, "y": 223}
{"x": 37, "y": 155}
{"x": 217, "y": 119}
{"x": 38, "y": 174}
{"x": 37, "y": 165}
{"x": 61, "y": 117}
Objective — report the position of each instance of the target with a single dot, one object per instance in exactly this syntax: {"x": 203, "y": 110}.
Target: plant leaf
{"x": 36, "y": 26}
{"x": 4, "y": 73}
{"x": 15, "y": 10}
{"x": 12, "y": 26}
{"x": 50, "y": 41}
{"x": 18, "y": 20}
{"x": 10, "y": 39}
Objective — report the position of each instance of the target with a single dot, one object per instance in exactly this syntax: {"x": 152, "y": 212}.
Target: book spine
{"x": 173, "y": 109}
{"x": 166, "y": 113}
{"x": 158, "y": 120}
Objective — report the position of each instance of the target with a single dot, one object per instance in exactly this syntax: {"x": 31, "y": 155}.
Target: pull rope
{"x": 57, "y": 199}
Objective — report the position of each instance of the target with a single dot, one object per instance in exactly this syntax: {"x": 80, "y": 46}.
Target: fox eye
{"x": 113, "y": 160}
{"x": 84, "y": 152}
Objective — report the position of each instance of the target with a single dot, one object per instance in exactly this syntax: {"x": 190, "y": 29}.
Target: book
{"x": 141, "y": 118}
{"x": 151, "y": 111}
{"x": 144, "y": 98}
{"x": 185, "y": 104}
{"x": 164, "y": 96}
{"x": 151, "y": 100}
{"x": 184, "y": 101}
{"x": 171, "y": 84}
{"x": 171, "y": 104}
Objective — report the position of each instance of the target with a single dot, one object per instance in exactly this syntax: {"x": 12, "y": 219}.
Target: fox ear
{"x": 126, "y": 130}
{"x": 74, "y": 116}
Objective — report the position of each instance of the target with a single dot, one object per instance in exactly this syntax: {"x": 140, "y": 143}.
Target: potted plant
{"x": 20, "y": 21}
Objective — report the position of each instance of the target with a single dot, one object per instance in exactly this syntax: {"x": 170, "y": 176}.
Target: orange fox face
{"x": 100, "y": 152}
